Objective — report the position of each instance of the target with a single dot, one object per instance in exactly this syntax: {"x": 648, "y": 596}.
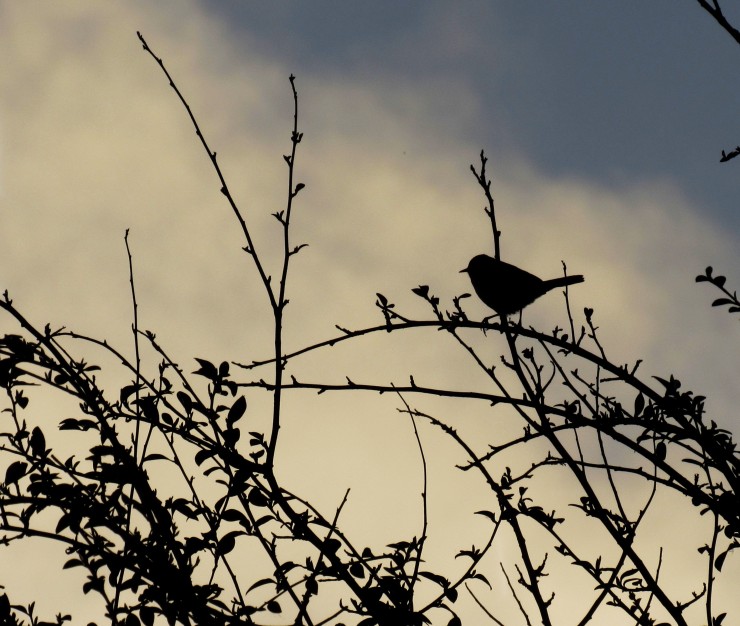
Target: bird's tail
{"x": 563, "y": 281}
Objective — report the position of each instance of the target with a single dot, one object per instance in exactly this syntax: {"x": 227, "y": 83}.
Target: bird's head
{"x": 477, "y": 265}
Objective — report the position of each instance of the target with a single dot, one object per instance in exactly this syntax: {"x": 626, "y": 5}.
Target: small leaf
{"x": 331, "y": 545}
{"x": 226, "y": 544}
{"x": 61, "y": 378}
{"x": 15, "y": 472}
{"x": 207, "y": 369}
{"x": 181, "y": 505}
{"x": 436, "y": 578}
{"x": 126, "y": 392}
{"x": 257, "y": 498}
{"x": 231, "y": 437}
{"x": 237, "y": 410}
{"x": 312, "y": 587}
{"x": 260, "y": 583}
{"x": 132, "y": 620}
{"x": 233, "y": 515}
{"x": 203, "y": 454}
{"x": 721, "y": 301}
{"x": 639, "y": 404}
{"x": 186, "y": 401}
{"x": 147, "y": 615}
{"x": 487, "y": 514}
{"x": 720, "y": 561}
{"x": 156, "y": 456}
{"x": 37, "y": 442}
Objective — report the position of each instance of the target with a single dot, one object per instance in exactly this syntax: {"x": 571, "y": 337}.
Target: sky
{"x": 603, "y": 123}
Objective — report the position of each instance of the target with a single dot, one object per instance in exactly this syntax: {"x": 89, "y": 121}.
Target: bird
{"x": 507, "y": 288}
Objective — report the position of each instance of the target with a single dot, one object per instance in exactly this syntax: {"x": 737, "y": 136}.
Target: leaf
{"x": 203, "y": 455}
{"x": 181, "y": 505}
{"x": 720, "y": 560}
{"x": 126, "y": 392}
{"x": 156, "y": 456}
{"x": 481, "y": 577}
{"x": 61, "y": 378}
{"x": 207, "y": 369}
{"x": 23, "y": 401}
{"x": 186, "y": 401}
{"x": 721, "y": 301}
{"x": 257, "y": 498}
{"x": 149, "y": 408}
{"x": 231, "y": 437}
{"x": 132, "y": 620}
{"x": 639, "y": 404}
{"x": 487, "y": 514}
{"x": 233, "y": 515}
{"x": 274, "y": 607}
{"x": 226, "y": 544}
{"x": 15, "y": 472}
{"x": 436, "y": 578}
{"x": 74, "y": 424}
{"x": 312, "y": 587}
{"x": 260, "y": 583}
{"x": 331, "y": 546}
{"x": 237, "y": 410}
{"x": 37, "y": 442}
{"x": 473, "y": 553}
{"x": 357, "y": 570}
{"x": 147, "y": 615}
{"x": 284, "y": 568}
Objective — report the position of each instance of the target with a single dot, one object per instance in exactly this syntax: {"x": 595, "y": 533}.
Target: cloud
{"x": 95, "y": 141}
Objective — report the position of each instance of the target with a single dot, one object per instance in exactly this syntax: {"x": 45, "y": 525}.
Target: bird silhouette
{"x": 506, "y": 288}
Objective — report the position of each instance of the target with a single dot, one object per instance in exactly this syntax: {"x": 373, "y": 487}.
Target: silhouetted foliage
{"x": 159, "y": 553}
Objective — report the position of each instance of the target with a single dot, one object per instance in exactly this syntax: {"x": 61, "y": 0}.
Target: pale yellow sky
{"x": 93, "y": 141}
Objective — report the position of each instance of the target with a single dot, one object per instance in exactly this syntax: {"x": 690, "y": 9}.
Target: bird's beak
{"x": 464, "y": 271}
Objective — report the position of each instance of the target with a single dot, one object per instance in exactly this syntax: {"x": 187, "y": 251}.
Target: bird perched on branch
{"x": 506, "y": 288}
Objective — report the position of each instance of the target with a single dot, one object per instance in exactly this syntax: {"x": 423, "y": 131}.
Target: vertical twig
{"x": 281, "y": 301}
{"x": 490, "y": 210}
{"x": 425, "y": 512}
{"x": 137, "y": 426}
